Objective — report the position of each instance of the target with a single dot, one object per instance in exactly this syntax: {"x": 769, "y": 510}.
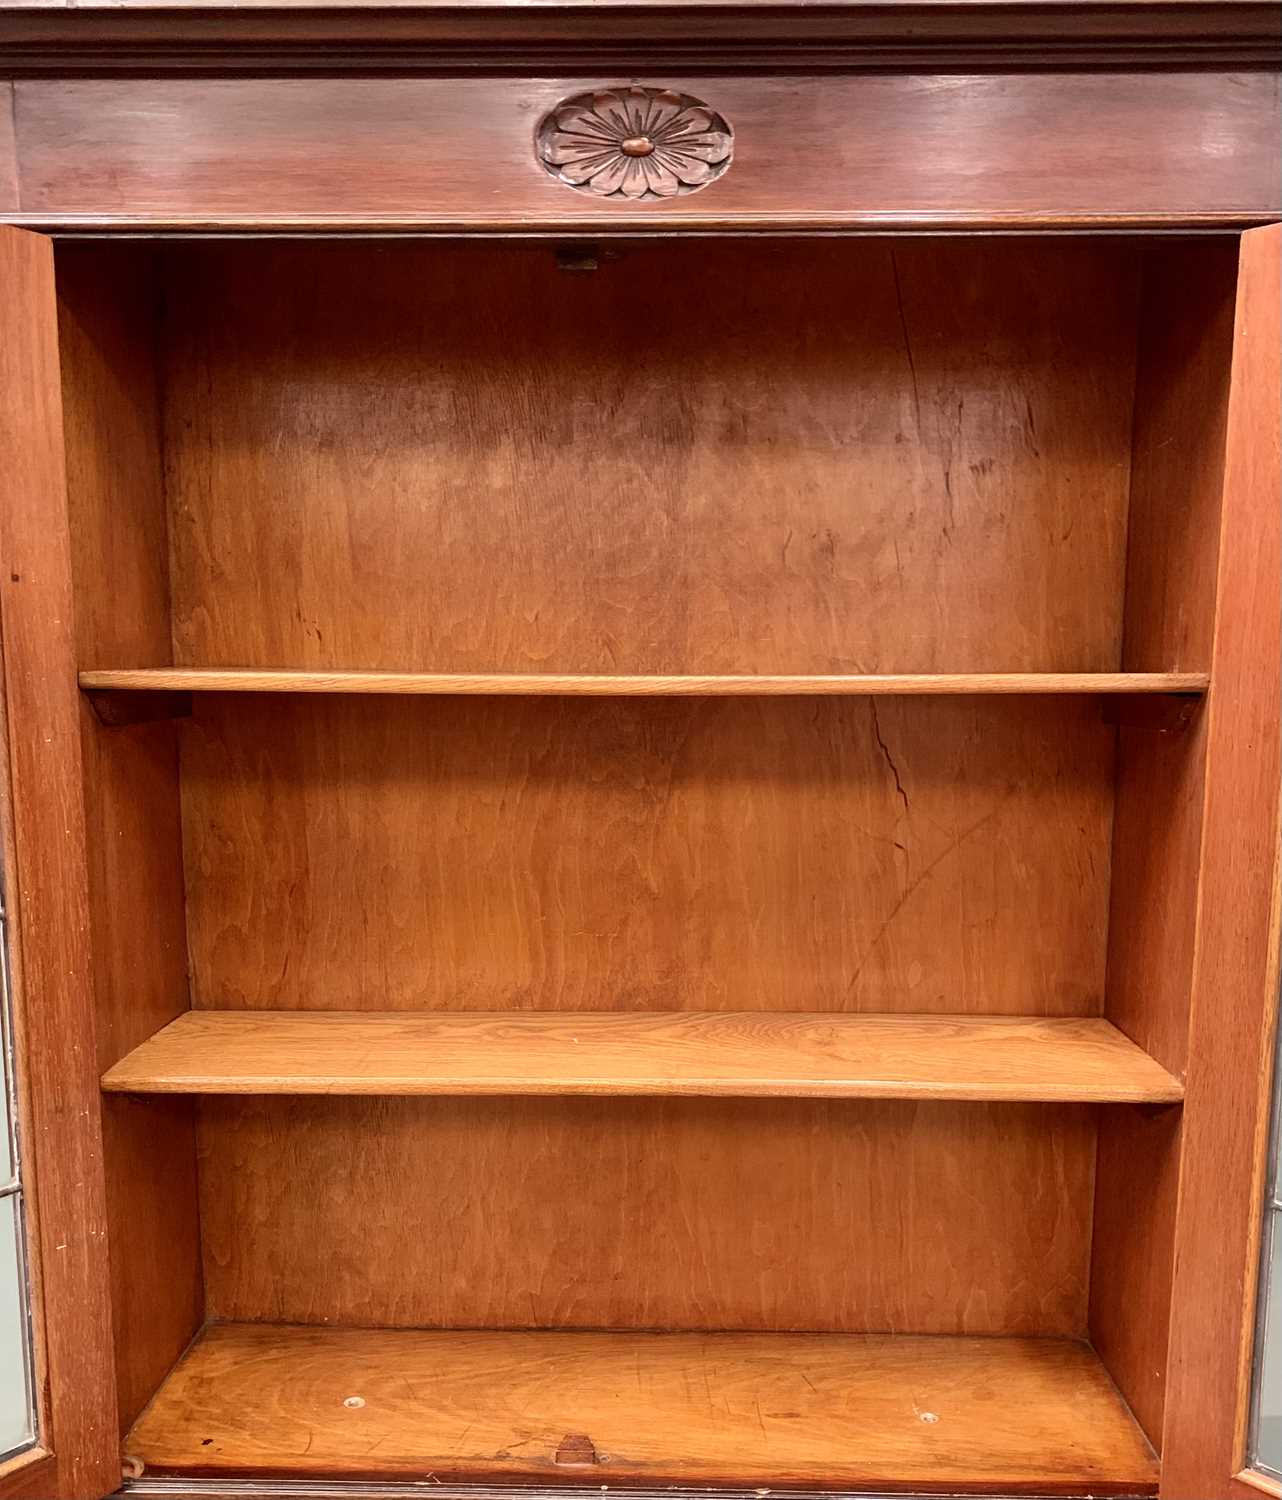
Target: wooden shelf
{"x": 831, "y": 1411}
{"x": 191, "y": 680}
{"x": 821, "y": 1055}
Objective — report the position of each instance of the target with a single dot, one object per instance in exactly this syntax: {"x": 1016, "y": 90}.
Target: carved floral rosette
{"x": 635, "y": 143}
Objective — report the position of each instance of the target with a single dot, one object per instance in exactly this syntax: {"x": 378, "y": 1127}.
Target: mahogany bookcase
{"x": 640, "y": 664}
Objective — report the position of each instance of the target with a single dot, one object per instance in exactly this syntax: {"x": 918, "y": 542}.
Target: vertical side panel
{"x": 53, "y": 982}
{"x": 1225, "y": 1118}
{"x": 1177, "y": 480}
{"x": 1156, "y": 844}
{"x": 1177, "y": 463}
{"x": 108, "y": 313}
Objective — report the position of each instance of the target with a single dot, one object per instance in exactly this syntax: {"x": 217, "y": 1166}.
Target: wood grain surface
{"x": 745, "y": 500}
{"x": 856, "y": 1057}
{"x": 1036, "y": 1415}
{"x": 904, "y": 148}
{"x": 1173, "y": 544}
{"x": 46, "y": 896}
{"x": 1157, "y": 840}
{"x": 648, "y": 1213}
{"x": 108, "y": 307}
{"x": 745, "y": 484}
{"x": 186, "y": 679}
{"x": 570, "y": 475}
{"x": 109, "y": 318}
{"x": 899, "y": 854}
{"x": 1137, "y": 1167}
{"x": 1235, "y": 976}
{"x": 624, "y": 38}
{"x": 784, "y": 458}
{"x": 1177, "y": 459}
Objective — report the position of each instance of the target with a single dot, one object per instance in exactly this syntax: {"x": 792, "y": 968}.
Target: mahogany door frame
{"x": 1234, "y": 991}
{"x": 77, "y": 1457}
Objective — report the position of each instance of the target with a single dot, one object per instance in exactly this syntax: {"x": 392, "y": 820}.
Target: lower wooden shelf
{"x": 740, "y": 1053}
{"x": 818, "y": 1411}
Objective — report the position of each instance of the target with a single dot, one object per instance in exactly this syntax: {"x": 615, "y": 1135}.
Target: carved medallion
{"x": 636, "y": 143}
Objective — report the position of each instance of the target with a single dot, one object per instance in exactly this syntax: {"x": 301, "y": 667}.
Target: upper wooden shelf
{"x": 234, "y": 680}
{"x": 820, "y": 1055}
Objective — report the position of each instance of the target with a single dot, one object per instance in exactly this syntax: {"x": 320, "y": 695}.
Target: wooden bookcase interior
{"x": 643, "y": 832}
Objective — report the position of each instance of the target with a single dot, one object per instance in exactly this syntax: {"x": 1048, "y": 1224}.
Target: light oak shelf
{"x": 794, "y": 1054}
{"x": 853, "y": 1411}
{"x": 225, "y": 680}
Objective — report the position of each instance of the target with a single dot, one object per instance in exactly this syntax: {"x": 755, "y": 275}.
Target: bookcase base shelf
{"x": 804, "y": 1411}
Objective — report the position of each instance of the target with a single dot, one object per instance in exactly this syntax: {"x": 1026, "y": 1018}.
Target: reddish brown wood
{"x": 788, "y": 1214}
{"x": 1232, "y": 1004}
{"x": 543, "y": 36}
{"x": 1136, "y": 1177}
{"x": 635, "y": 143}
{"x": 551, "y": 854}
{"x": 911, "y": 150}
{"x": 1177, "y": 460}
{"x": 1157, "y": 832}
{"x": 1156, "y": 838}
{"x": 1035, "y": 1416}
{"x": 46, "y": 881}
{"x": 29, "y": 1476}
{"x": 752, "y": 1054}
{"x": 915, "y": 149}
{"x": 1177, "y": 471}
{"x": 108, "y": 310}
{"x": 712, "y": 457}
{"x": 108, "y": 307}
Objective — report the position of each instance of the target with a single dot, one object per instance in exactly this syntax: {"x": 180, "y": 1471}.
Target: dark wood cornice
{"x": 627, "y": 36}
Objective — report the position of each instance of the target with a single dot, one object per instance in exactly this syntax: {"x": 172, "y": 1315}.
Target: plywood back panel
{"x": 704, "y": 457}
{"x": 718, "y": 854}
{"x": 765, "y": 1214}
